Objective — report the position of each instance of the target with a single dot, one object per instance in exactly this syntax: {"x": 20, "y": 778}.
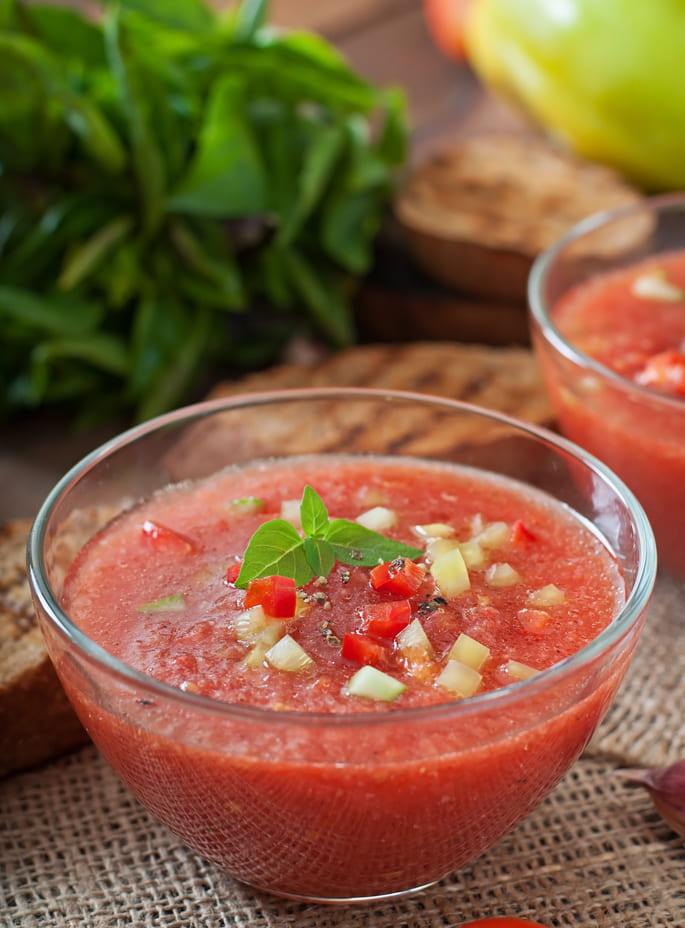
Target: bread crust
{"x": 37, "y": 722}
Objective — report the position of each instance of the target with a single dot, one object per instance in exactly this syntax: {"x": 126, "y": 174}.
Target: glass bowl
{"x": 317, "y": 806}
{"x": 638, "y": 431}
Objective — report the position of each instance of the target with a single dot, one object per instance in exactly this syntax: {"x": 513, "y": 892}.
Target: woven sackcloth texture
{"x": 77, "y": 850}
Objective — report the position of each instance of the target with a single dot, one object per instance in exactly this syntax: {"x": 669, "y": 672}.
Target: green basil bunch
{"x": 178, "y": 188}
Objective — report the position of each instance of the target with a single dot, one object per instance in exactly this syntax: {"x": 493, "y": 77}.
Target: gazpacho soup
{"x": 632, "y": 321}
{"x": 346, "y": 589}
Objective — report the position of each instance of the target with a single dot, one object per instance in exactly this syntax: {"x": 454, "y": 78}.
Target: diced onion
{"x": 413, "y": 640}
{"x": 459, "y": 678}
{"x": 494, "y": 535}
{"x": 502, "y": 574}
{"x": 468, "y": 651}
{"x": 371, "y": 683}
{"x": 288, "y": 655}
{"x": 435, "y": 530}
{"x": 249, "y": 623}
{"x": 438, "y": 546}
{"x": 549, "y": 595}
{"x": 290, "y": 511}
{"x": 655, "y": 285}
{"x": 473, "y": 554}
{"x": 520, "y": 671}
{"x": 450, "y": 573}
{"x": 378, "y": 519}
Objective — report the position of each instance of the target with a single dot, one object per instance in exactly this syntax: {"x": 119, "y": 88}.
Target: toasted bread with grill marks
{"x": 37, "y": 722}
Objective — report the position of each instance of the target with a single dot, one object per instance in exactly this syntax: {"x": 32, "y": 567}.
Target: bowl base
{"x": 339, "y": 900}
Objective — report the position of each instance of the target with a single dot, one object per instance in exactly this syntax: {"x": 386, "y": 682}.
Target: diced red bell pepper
{"x": 232, "y": 572}
{"x": 665, "y": 371}
{"x": 363, "y": 649}
{"x": 386, "y": 620}
{"x": 276, "y": 595}
{"x": 167, "y": 538}
{"x": 520, "y": 535}
{"x": 400, "y": 576}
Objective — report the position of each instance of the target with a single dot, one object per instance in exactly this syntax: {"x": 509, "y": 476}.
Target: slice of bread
{"x": 477, "y": 212}
{"x": 36, "y": 719}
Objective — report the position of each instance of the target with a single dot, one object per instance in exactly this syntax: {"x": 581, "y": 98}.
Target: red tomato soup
{"x": 506, "y": 582}
{"x": 633, "y": 322}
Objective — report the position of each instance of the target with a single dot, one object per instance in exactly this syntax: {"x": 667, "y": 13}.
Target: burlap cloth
{"x": 77, "y": 850}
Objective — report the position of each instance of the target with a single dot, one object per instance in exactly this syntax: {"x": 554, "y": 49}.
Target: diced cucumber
{"x": 173, "y": 603}
{"x": 371, "y": 683}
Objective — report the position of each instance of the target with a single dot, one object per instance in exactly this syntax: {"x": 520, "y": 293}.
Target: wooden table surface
{"x": 388, "y": 43}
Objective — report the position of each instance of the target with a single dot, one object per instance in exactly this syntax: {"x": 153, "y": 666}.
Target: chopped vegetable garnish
{"x": 520, "y": 534}
{"x": 519, "y": 670}
{"x": 469, "y": 651}
{"x": 386, "y": 620}
{"x": 246, "y": 505}
{"x": 534, "y": 620}
{"x": 655, "y": 285}
{"x": 459, "y": 678}
{"x": 371, "y": 683}
{"x": 494, "y": 535}
{"x": 664, "y": 371}
{"x": 549, "y": 595}
{"x": 232, "y": 572}
{"x": 378, "y": 519}
{"x": 167, "y": 537}
{"x": 288, "y": 655}
{"x": 450, "y": 573}
{"x": 276, "y": 595}
{"x": 413, "y": 642}
{"x": 173, "y": 603}
{"x": 252, "y": 625}
{"x": 502, "y": 574}
{"x": 435, "y": 530}
{"x": 400, "y": 576}
{"x": 363, "y": 649}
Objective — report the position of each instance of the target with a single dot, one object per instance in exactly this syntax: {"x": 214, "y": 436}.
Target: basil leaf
{"x": 135, "y": 105}
{"x": 313, "y": 513}
{"x": 320, "y": 556}
{"x": 355, "y": 544}
{"x": 275, "y": 548}
{"x": 226, "y": 177}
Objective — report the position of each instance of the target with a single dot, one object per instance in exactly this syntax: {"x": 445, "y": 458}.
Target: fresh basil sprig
{"x": 179, "y": 187}
{"x": 278, "y": 548}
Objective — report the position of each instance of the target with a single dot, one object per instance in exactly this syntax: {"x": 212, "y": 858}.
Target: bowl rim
{"x": 629, "y": 615}
{"x": 540, "y": 312}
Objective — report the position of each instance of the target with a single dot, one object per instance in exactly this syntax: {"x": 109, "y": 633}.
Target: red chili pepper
{"x": 400, "y": 576}
{"x": 386, "y": 619}
{"x": 521, "y": 535}
{"x": 363, "y": 649}
{"x": 665, "y": 371}
{"x": 276, "y": 595}
{"x": 167, "y": 538}
{"x": 232, "y": 572}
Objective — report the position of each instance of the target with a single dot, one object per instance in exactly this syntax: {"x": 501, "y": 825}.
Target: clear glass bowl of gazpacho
{"x": 340, "y": 641}
{"x": 608, "y": 323}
